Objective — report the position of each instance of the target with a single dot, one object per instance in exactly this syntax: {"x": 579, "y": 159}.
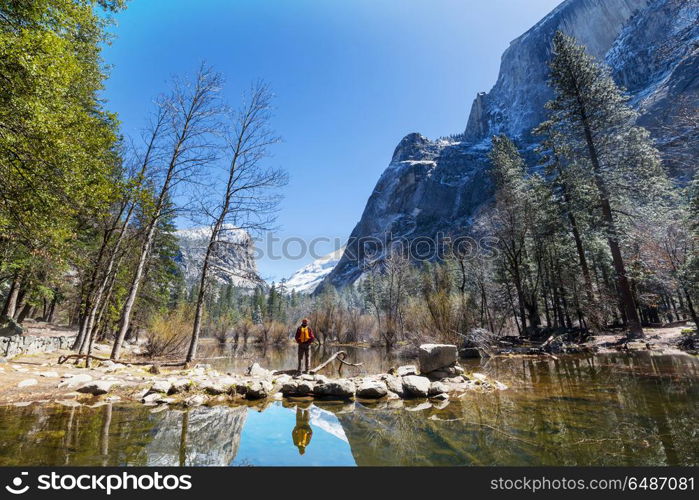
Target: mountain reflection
{"x": 200, "y": 436}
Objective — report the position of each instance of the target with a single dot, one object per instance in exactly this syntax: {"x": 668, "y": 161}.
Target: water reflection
{"x": 119, "y": 435}
{"x": 607, "y": 410}
{"x": 200, "y": 436}
{"x": 302, "y": 432}
{"x": 595, "y": 410}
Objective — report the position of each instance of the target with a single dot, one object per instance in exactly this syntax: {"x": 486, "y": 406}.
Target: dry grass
{"x": 168, "y": 334}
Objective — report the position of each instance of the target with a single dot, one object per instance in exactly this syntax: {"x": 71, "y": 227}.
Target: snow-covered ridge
{"x": 437, "y": 187}
{"x": 233, "y": 262}
{"x": 306, "y": 279}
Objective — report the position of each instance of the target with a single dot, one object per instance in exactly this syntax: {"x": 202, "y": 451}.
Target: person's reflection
{"x": 302, "y": 431}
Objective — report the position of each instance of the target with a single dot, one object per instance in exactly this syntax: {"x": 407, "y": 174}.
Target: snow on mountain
{"x": 233, "y": 262}
{"x": 434, "y": 188}
{"x": 306, "y": 279}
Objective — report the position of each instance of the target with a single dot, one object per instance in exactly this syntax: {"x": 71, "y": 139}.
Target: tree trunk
{"x": 196, "y": 329}
{"x": 24, "y": 313}
{"x": 690, "y": 306}
{"x": 632, "y": 320}
{"x": 125, "y": 321}
{"x": 11, "y": 303}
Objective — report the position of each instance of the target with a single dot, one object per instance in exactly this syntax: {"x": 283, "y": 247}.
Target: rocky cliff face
{"x": 233, "y": 262}
{"x": 434, "y": 188}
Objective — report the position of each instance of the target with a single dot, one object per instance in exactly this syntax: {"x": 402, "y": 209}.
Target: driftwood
{"x": 88, "y": 357}
{"x": 338, "y": 356}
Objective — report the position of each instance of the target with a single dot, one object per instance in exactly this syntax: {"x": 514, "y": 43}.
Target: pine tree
{"x": 617, "y": 157}
{"x": 512, "y": 220}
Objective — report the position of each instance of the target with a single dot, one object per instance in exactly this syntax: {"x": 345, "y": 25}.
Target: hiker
{"x": 304, "y": 338}
{"x": 302, "y": 432}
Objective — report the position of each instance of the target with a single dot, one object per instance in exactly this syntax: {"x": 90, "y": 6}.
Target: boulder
{"x": 258, "y": 389}
{"x": 75, "y": 380}
{"x": 447, "y": 372}
{"x": 305, "y": 386}
{"x": 9, "y": 327}
{"x": 297, "y": 387}
{"x": 27, "y": 382}
{"x": 437, "y": 388}
{"x": 97, "y": 388}
{"x": 280, "y": 380}
{"x": 416, "y": 386}
{"x": 196, "y": 400}
{"x": 432, "y": 357}
{"x": 338, "y": 388}
{"x": 402, "y": 371}
{"x": 393, "y": 384}
{"x": 151, "y": 398}
{"x": 228, "y": 383}
{"x": 179, "y": 386}
{"x": 161, "y": 386}
{"x": 290, "y": 387}
{"x": 372, "y": 389}
{"x": 241, "y": 387}
{"x": 255, "y": 370}
{"x": 214, "y": 388}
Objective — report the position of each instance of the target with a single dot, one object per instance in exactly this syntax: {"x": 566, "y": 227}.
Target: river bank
{"x": 38, "y": 377}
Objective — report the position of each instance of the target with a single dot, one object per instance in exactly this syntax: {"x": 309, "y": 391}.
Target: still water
{"x": 612, "y": 409}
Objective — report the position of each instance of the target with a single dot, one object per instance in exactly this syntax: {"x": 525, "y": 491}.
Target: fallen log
{"x": 338, "y": 356}
{"x": 62, "y": 359}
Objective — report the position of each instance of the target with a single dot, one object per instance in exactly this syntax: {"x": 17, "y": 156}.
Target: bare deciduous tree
{"x": 193, "y": 111}
{"x": 246, "y": 200}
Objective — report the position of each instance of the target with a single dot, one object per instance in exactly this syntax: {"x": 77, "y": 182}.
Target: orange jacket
{"x": 311, "y": 337}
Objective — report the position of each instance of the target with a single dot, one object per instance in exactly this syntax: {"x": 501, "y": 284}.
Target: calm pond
{"x": 611, "y": 409}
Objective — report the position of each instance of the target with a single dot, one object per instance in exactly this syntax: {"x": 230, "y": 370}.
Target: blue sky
{"x": 351, "y": 78}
